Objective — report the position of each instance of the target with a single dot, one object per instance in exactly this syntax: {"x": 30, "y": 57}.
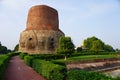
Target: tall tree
{"x": 3, "y": 49}
{"x": 0, "y": 44}
{"x": 79, "y": 49}
{"x": 109, "y": 48}
{"x": 89, "y": 41}
{"x": 66, "y": 46}
{"x": 96, "y": 44}
{"x": 16, "y": 47}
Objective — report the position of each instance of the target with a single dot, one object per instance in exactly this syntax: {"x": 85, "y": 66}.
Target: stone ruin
{"x": 42, "y": 32}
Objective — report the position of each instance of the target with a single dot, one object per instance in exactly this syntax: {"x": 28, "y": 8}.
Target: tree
{"x": 16, "y": 47}
{"x": 79, "y": 49}
{"x": 66, "y": 46}
{"x": 109, "y": 48}
{"x": 3, "y": 49}
{"x": 117, "y": 50}
{"x": 89, "y": 41}
{"x": 0, "y": 44}
{"x": 97, "y": 45}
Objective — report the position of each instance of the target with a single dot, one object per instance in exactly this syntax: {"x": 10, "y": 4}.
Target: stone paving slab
{"x": 18, "y": 70}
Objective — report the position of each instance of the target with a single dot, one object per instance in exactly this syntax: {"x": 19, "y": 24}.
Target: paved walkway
{"x": 18, "y": 70}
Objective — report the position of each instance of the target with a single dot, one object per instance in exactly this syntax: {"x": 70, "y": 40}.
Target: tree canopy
{"x": 109, "y": 48}
{"x": 16, "y": 47}
{"x": 3, "y": 49}
{"x": 66, "y": 46}
{"x": 95, "y": 44}
{"x": 79, "y": 49}
{"x": 88, "y": 42}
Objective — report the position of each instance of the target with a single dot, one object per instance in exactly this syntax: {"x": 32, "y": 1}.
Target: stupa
{"x": 42, "y": 32}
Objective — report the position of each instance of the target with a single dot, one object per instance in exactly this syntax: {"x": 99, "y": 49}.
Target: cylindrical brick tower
{"x": 42, "y": 18}
{"x": 42, "y": 31}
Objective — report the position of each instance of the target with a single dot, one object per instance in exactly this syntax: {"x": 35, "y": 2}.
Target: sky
{"x": 78, "y": 19}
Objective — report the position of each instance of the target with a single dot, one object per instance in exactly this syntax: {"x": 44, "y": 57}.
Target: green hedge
{"x": 22, "y": 55}
{"x": 85, "y": 75}
{"x": 118, "y": 78}
{"x": 58, "y": 62}
{"x": 49, "y": 70}
{"x": 4, "y": 59}
{"x": 11, "y": 54}
{"x": 3, "y": 64}
{"x": 47, "y": 57}
{"x": 93, "y": 53}
{"x": 28, "y": 60}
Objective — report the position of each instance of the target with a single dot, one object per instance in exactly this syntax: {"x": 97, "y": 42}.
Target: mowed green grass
{"x": 87, "y": 57}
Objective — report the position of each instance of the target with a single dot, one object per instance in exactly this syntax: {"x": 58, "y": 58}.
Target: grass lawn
{"x": 87, "y": 57}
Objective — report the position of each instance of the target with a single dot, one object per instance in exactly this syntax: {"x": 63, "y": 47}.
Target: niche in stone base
{"x": 28, "y": 40}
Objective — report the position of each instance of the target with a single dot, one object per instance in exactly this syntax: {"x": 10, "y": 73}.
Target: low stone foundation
{"x": 39, "y": 41}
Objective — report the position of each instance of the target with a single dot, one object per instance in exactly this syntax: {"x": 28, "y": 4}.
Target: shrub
{"x": 58, "y": 62}
{"x": 3, "y": 64}
{"x": 28, "y": 60}
{"x": 11, "y": 54}
{"x": 49, "y": 70}
{"x": 85, "y": 75}
{"x": 93, "y": 53}
{"x": 47, "y": 57}
{"x": 117, "y": 78}
{"x": 21, "y": 55}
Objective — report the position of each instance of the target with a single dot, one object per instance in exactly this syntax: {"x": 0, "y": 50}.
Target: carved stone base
{"x": 39, "y": 41}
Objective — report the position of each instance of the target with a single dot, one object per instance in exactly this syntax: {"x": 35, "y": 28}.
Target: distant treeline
{"x": 3, "y": 49}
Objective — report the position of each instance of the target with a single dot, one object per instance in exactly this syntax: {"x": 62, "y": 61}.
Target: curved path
{"x": 18, "y": 70}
